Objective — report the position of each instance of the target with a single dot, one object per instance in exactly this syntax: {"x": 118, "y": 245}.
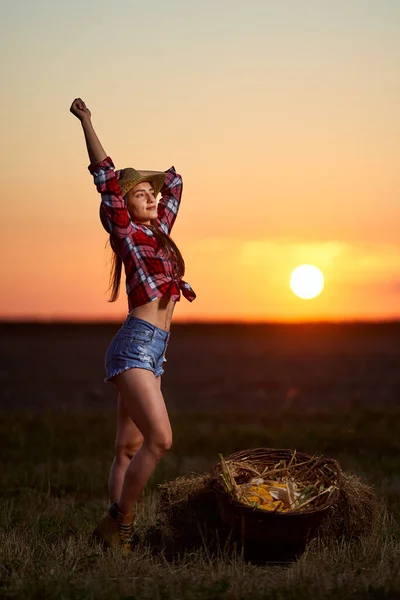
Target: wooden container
{"x": 293, "y": 528}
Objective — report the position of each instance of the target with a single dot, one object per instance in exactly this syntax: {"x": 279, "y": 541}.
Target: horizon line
{"x": 58, "y": 321}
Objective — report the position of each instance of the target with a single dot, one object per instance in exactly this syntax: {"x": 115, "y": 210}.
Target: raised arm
{"x": 171, "y": 194}
{"x": 95, "y": 149}
{"x": 113, "y": 212}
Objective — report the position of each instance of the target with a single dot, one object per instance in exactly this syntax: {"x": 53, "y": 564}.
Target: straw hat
{"x": 128, "y": 178}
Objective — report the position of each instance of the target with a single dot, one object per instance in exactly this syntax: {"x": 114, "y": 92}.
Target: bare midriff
{"x": 158, "y": 313}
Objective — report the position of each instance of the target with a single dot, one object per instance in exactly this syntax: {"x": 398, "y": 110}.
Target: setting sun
{"x": 307, "y": 281}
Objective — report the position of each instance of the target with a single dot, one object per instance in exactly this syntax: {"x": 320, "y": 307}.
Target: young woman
{"x": 139, "y": 231}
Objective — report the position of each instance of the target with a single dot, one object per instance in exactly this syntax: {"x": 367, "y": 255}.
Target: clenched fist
{"x": 80, "y": 110}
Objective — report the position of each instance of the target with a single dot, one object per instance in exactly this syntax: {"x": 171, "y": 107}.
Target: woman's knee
{"x": 159, "y": 443}
{"x": 125, "y": 451}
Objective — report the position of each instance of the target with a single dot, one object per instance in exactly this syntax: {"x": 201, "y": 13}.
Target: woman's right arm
{"x": 113, "y": 212}
{"x": 95, "y": 149}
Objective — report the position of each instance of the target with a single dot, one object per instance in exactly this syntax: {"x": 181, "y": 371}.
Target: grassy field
{"x": 54, "y": 469}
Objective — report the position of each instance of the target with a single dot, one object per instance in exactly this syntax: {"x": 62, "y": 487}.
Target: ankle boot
{"x": 115, "y": 530}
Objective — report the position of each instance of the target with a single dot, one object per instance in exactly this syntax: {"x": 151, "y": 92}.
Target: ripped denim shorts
{"x": 137, "y": 343}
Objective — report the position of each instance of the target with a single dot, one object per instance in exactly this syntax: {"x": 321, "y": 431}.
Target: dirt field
{"x": 248, "y": 368}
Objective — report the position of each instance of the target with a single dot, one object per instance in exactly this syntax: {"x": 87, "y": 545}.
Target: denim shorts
{"x": 137, "y": 343}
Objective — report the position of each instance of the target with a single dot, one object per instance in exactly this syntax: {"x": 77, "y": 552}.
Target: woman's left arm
{"x": 171, "y": 194}
{"x": 170, "y": 201}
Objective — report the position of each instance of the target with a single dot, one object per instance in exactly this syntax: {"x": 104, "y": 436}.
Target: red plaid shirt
{"x": 149, "y": 274}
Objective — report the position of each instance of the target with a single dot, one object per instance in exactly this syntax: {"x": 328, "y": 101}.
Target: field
{"x": 55, "y": 458}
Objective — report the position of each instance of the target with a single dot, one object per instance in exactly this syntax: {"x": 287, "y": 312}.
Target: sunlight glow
{"x": 307, "y": 281}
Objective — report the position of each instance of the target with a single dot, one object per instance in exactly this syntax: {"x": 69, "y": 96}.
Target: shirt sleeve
{"x": 114, "y": 215}
{"x": 168, "y": 206}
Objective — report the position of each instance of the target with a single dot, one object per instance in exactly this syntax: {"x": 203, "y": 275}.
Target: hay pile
{"x": 188, "y": 515}
{"x": 355, "y": 514}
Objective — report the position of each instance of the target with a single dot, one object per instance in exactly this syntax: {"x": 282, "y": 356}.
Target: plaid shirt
{"x": 149, "y": 273}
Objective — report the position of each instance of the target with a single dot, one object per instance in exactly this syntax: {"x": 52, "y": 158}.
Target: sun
{"x": 307, "y": 281}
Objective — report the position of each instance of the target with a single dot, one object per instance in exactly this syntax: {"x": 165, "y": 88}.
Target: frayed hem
{"x": 109, "y": 379}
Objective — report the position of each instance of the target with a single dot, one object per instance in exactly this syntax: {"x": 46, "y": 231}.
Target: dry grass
{"x": 53, "y": 491}
{"x": 45, "y": 553}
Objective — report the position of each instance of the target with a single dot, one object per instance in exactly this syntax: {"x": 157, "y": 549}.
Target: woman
{"x": 139, "y": 237}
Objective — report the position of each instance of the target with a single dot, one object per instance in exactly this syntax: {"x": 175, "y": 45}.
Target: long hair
{"x": 165, "y": 242}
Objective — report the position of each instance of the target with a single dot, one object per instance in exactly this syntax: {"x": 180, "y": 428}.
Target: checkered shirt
{"x": 150, "y": 273}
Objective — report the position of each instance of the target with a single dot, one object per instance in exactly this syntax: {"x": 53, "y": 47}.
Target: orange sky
{"x": 282, "y": 120}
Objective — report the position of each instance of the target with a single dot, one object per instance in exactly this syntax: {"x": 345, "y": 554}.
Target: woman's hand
{"x": 80, "y": 110}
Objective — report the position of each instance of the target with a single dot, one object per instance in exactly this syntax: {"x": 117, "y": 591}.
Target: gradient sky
{"x": 282, "y": 117}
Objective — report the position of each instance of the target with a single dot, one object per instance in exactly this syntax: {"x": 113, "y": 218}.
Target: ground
{"x": 53, "y": 489}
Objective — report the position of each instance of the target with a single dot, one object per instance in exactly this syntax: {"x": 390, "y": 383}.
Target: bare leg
{"x": 128, "y": 442}
{"x": 143, "y": 401}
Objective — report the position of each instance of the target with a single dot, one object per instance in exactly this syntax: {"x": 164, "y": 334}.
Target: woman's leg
{"x": 141, "y": 396}
{"x": 128, "y": 442}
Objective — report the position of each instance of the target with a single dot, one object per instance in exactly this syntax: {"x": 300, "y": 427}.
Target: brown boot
{"x": 115, "y": 530}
